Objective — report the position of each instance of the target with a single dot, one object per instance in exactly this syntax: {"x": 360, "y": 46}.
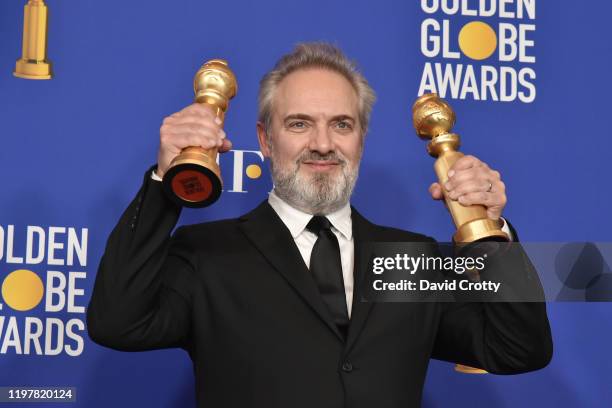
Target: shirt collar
{"x": 296, "y": 220}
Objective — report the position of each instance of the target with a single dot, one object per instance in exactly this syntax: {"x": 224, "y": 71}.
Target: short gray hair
{"x": 315, "y": 55}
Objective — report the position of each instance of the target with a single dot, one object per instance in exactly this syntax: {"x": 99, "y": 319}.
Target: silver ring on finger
{"x": 490, "y": 187}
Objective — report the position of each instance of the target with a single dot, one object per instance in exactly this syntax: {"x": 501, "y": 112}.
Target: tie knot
{"x": 318, "y": 223}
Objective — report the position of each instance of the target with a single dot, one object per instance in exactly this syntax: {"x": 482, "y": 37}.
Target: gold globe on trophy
{"x": 433, "y": 120}
{"x": 194, "y": 178}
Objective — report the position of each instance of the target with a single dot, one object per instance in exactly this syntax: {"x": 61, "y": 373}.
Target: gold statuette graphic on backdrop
{"x": 33, "y": 63}
{"x": 433, "y": 119}
{"x": 193, "y": 178}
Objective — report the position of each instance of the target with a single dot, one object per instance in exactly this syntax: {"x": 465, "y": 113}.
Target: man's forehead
{"x": 315, "y": 92}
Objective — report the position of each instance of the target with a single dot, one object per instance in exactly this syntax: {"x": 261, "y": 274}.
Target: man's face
{"x": 315, "y": 141}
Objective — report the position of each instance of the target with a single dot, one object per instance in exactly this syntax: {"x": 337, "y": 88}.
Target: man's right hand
{"x": 196, "y": 125}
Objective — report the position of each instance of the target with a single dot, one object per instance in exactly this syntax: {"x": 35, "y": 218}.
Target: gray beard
{"x": 320, "y": 194}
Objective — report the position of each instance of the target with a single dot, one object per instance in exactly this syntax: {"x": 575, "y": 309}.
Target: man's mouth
{"x": 321, "y": 165}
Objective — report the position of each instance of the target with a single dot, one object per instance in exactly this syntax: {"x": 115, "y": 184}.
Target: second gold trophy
{"x": 433, "y": 120}
{"x": 193, "y": 178}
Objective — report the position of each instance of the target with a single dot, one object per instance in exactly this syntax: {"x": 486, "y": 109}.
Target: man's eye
{"x": 297, "y": 125}
{"x": 344, "y": 125}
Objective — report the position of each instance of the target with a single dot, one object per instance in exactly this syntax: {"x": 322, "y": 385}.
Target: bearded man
{"x": 267, "y": 305}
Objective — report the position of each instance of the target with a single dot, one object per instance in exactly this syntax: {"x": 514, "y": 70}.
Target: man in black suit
{"x": 268, "y": 305}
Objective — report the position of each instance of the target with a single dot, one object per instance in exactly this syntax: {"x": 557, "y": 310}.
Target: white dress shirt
{"x": 342, "y": 227}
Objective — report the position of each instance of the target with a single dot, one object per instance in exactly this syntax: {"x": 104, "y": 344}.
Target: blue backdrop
{"x": 74, "y": 150}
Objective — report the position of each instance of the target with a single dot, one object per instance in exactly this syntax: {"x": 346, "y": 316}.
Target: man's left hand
{"x": 471, "y": 181}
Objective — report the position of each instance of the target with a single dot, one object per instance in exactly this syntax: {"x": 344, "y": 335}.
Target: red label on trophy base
{"x": 191, "y": 186}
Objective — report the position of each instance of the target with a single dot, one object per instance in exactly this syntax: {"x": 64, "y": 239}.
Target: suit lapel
{"x": 363, "y": 231}
{"x": 270, "y": 236}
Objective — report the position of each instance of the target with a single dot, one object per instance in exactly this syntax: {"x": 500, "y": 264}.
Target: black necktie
{"x": 326, "y": 269}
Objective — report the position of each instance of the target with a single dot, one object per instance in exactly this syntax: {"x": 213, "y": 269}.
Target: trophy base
{"x": 32, "y": 69}
{"x": 480, "y": 229}
{"x": 193, "y": 179}
{"x": 460, "y": 368}
{"x": 483, "y": 229}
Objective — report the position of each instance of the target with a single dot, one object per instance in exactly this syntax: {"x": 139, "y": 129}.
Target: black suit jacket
{"x": 237, "y": 296}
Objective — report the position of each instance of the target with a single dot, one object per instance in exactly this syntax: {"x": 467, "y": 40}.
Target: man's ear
{"x": 263, "y": 139}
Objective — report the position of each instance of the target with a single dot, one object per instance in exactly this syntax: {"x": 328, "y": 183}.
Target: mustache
{"x": 313, "y": 155}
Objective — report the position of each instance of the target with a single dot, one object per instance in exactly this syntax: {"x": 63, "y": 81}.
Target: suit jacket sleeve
{"x": 141, "y": 298}
{"x": 500, "y": 337}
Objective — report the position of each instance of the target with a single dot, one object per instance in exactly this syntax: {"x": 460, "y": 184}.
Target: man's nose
{"x": 321, "y": 140}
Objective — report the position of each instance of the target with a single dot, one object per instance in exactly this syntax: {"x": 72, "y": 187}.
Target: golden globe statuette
{"x": 433, "y": 119}
{"x": 193, "y": 178}
{"x": 33, "y": 63}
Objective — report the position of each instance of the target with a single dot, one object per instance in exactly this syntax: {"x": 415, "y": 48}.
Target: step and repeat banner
{"x": 529, "y": 81}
